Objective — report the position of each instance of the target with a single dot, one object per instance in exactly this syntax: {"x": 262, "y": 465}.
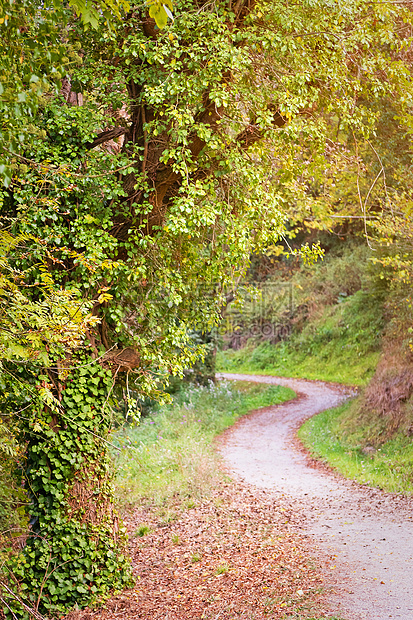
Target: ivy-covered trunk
{"x": 74, "y": 553}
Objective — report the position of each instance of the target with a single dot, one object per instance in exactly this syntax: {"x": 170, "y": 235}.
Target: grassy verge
{"x": 288, "y": 364}
{"x": 336, "y": 438}
{"x": 170, "y": 453}
{"x": 342, "y": 345}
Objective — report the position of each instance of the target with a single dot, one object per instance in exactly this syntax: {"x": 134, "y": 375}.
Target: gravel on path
{"x": 368, "y": 533}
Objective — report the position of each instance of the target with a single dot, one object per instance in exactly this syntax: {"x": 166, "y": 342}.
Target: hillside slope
{"x": 348, "y": 326}
{"x": 334, "y": 324}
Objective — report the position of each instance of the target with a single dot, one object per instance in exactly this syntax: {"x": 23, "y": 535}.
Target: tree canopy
{"x": 142, "y": 168}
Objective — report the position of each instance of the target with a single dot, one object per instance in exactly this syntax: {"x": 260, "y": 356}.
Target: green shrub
{"x": 13, "y": 521}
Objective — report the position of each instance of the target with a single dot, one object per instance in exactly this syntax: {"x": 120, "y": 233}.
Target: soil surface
{"x": 368, "y": 533}
{"x": 234, "y": 555}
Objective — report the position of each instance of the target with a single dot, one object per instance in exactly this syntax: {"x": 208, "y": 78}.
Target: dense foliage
{"x": 150, "y": 165}
{"x": 70, "y": 491}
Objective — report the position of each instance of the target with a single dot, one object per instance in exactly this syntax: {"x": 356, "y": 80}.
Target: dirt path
{"x": 368, "y": 533}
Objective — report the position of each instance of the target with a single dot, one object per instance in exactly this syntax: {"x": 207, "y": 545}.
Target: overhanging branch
{"x": 105, "y": 136}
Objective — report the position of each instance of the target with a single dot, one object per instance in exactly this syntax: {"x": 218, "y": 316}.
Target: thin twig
{"x": 362, "y": 204}
{"x": 29, "y": 610}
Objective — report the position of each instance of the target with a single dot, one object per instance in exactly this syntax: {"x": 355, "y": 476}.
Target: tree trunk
{"x": 75, "y": 550}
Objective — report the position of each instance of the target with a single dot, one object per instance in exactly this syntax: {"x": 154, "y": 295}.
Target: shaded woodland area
{"x": 146, "y": 163}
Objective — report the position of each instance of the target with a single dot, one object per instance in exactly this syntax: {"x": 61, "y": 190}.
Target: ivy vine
{"x": 75, "y": 551}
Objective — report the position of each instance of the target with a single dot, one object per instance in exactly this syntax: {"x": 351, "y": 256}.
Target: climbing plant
{"x": 157, "y": 164}
{"x": 74, "y": 552}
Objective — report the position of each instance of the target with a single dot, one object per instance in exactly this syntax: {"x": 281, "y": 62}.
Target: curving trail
{"x": 369, "y": 533}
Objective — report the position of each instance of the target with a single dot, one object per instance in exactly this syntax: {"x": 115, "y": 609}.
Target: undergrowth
{"x": 13, "y": 521}
{"x": 341, "y": 345}
{"x": 341, "y": 438}
{"x": 170, "y": 455}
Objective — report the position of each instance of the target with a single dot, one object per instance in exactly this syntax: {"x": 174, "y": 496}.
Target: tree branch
{"x": 254, "y": 133}
{"x": 30, "y": 610}
{"x": 107, "y": 135}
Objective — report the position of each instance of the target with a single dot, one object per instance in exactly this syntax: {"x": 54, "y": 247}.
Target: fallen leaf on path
{"x": 234, "y": 556}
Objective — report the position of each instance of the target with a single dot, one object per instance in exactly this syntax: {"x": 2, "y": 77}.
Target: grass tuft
{"x": 336, "y": 438}
{"x": 142, "y": 531}
{"x": 222, "y": 569}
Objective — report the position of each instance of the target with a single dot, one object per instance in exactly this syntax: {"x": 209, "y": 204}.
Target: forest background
{"x": 150, "y": 167}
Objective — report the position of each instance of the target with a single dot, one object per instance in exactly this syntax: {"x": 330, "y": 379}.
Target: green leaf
{"x": 158, "y": 13}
